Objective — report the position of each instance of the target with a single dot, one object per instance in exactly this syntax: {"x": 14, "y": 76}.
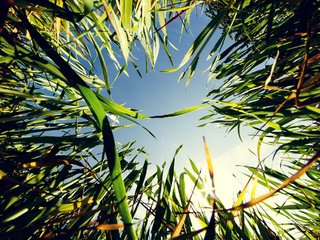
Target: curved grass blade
{"x": 284, "y": 184}
{"x": 178, "y": 228}
{"x": 211, "y": 230}
{"x": 207, "y": 32}
{"x": 181, "y": 112}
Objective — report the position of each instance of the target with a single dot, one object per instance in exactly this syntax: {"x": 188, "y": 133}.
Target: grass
{"x": 63, "y": 175}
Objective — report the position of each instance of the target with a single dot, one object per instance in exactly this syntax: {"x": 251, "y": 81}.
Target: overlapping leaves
{"x": 268, "y": 79}
{"x": 54, "y": 107}
{"x": 57, "y": 181}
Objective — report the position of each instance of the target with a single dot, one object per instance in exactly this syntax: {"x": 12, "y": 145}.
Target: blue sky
{"x": 160, "y": 93}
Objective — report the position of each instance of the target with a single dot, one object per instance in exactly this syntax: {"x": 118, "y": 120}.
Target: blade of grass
{"x": 102, "y": 63}
{"x": 211, "y": 230}
{"x": 181, "y": 112}
{"x": 209, "y": 162}
{"x": 109, "y": 227}
{"x": 122, "y": 36}
{"x": 284, "y": 184}
{"x": 178, "y": 228}
{"x": 126, "y": 13}
{"x": 205, "y": 34}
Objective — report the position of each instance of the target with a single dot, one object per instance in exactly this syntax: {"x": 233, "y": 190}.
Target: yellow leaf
{"x": 178, "y": 228}
{"x": 241, "y": 197}
{"x": 284, "y": 184}
{"x": 31, "y": 165}
{"x": 2, "y": 174}
{"x": 209, "y": 162}
{"x": 254, "y": 188}
{"x": 58, "y": 20}
{"x": 110, "y": 227}
{"x": 272, "y": 70}
{"x": 202, "y": 223}
{"x": 67, "y": 207}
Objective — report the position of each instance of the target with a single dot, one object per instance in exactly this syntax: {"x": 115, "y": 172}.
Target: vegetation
{"x": 63, "y": 176}
{"x": 271, "y": 82}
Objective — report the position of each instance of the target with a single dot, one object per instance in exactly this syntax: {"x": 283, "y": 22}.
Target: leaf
{"x": 121, "y": 34}
{"x": 110, "y": 227}
{"x": 211, "y": 232}
{"x": 283, "y": 185}
{"x": 194, "y": 167}
{"x": 181, "y": 112}
{"x": 178, "y": 228}
{"x": 241, "y": 196}
{"x": 15, "y": 215}
{"x": 87, "y": 6}
{"x": 58, "y": 20}
{"x": 68, "y": 207}
{"x": 102, "y": 64}
{"x": 190, "y": 235}
{"x": 272, "y": 70}
{"x": 126, "y": 13}
{"x": 254, "y": 188}
{"x": 209, "y": 162}
{"x": 2, "y": 174}
{"x": 207, "y": 32}
{"x": 53, "y": 8}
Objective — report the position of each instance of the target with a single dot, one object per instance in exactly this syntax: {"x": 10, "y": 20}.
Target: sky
{"x": 160, "y": 93}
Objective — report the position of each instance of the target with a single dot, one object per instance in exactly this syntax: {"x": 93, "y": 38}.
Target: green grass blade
{"x": 181, "y": 112}
{"x": 116, "y": 176}
{"x": 103, "y": 63}
{"x": 198, "y": 42}
{"x": 126, "y": 13}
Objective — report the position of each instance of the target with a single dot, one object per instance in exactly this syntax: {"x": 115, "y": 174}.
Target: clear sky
{"x": 160, "y": 93}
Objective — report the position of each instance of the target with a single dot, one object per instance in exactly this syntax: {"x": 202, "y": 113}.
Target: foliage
{"x": 270, "y": 81}
{"x": 267, "y": 78}
{"x": 57, "y": 179}
{"x": 63, "y": 176}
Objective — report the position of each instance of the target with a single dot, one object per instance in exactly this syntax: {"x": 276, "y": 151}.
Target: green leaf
{"x": 126, "y": 13}
{"x": 15, "y": 215}
{"x": 203, "y": 37}
{"x": 181, "y": 112}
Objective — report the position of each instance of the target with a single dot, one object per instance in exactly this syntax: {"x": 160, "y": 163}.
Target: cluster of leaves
{"x": 268, "y": 79}
{"x": 270, "y": 82}
{"x": 61, "y": 173}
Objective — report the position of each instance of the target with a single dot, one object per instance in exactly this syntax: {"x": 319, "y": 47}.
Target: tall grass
{"x": 63, "y": 175}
